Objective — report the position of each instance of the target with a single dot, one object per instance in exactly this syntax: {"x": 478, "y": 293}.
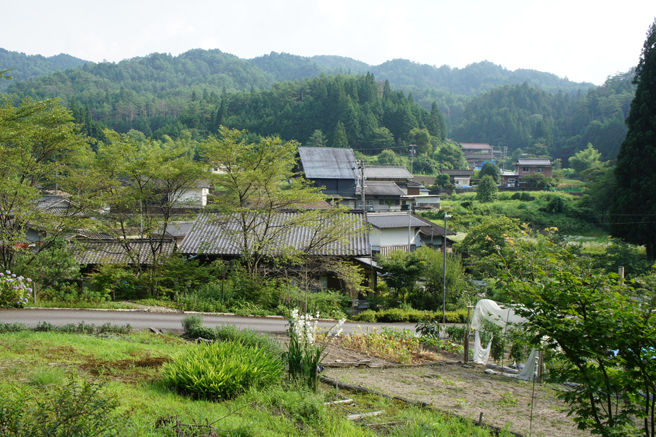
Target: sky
{"x": 585, "y": 41}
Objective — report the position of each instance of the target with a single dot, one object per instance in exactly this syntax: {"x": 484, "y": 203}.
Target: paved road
{"x": 165, "y": 321}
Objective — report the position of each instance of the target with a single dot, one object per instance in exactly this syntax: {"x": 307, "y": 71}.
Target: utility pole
{"x": 412, "y": 157}
{"x": 362, "y": 184}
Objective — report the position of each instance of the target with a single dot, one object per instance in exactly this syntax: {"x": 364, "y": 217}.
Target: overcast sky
{"x": 579, "y": 39}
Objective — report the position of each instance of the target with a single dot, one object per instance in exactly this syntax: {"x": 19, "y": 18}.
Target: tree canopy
{"x": 634, "y": 208}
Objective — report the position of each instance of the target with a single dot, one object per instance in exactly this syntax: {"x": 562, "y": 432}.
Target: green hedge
{"x": 397, "y": 315}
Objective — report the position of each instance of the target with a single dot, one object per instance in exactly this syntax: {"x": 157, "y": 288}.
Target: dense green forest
{"x": 24, "y": 67}
{"x": 373, "y": 107}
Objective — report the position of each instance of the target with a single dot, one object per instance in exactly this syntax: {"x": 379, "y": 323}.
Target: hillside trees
{"x": 635, "y": 199}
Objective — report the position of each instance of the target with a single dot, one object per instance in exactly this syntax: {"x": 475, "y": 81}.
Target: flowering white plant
{"x": 303, "y": 355}
{"x": 14, "y": 290}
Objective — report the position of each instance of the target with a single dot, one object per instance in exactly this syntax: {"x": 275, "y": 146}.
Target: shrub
{"x": 74, "y": 409}
{"x": 221, "y": 370}
{"x": 14, "y": 290}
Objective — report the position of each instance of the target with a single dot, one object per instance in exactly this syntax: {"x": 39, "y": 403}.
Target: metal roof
{"x": 386, "y": 220}
{"x": 476, "y": 146}
{"x": 386, "y": 172}
{"x": 319, "y": 233}
{"x": 113, "y": 252}
{"x": 328, "y": 163}
{"x": 533, "y": 161}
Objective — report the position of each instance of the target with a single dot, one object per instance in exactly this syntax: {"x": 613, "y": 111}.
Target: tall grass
{"x": 220, "y": 371}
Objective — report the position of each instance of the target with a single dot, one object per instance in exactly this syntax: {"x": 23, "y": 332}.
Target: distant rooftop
{"x": 476, "y": 146}
{"x": 328, "y": 163}
{"x": 533, "y": 161}
{"x": 386, "y": 172}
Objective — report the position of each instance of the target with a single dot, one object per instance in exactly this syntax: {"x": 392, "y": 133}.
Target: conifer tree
{"x": 340, "y": 139}
{"x": 634, "y": 207}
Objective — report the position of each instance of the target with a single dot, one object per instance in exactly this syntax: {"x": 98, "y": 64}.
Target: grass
{"x": 129, "y": 368}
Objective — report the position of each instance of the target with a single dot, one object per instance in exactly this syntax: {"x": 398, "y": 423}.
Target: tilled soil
{"x": 463, "y": 391}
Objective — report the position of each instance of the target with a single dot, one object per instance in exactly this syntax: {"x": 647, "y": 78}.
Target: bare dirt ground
{"x": 462, "y": 391}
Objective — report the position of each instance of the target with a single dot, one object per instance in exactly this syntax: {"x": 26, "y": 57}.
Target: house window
{"x": 526, "y": 169}
{"x": 540, "y": 170}
{"x": 382, "y": 202}
{"x": 511, "y": 181}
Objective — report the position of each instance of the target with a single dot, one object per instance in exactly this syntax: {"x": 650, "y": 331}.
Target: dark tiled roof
{"x": 386, "y": 172}
{"x": 382, "y": 188}
{"x": 385, "y": 220}
{"x": 533, "y": 161}
{"x": 219, "y": 234}
{"x": 113, "y": 252}
{"x": 328, "y": 163}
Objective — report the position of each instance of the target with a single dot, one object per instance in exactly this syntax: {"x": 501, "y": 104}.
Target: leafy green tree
{"x": 635, "y": 196}
{"x": 403, "y": 269}
{"x": 585, "y": 159}
{"x": 433, "y": 273}
{"x": 601, "y": 340}
{"x": 39, "y": 148}
{"x": 487, "y": 190}
{"x": 451, "y": 156}
{"x": 484, "y": 241}
{"x": 422, "y": 139}
{"x": 145, "y": 184}
{"x": 425, "y": 165}
{"x": 259, "y": 183}
{"x": 491, "y": 169}
{"x": 388, "y": 157}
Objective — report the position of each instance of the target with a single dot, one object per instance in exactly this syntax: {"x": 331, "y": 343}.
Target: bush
{"x": 397, "y": 315}
{"x": 221, "y": 370}
{"x": 75, "y": 409}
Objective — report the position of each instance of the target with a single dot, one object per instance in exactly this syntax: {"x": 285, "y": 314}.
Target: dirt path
{"x": 463, "y": 391}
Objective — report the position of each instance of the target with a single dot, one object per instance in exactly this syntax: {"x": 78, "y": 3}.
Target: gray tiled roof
{"x": 533, "y": 161}
{"x": 328, "y": 163}
{"x": 460, "y": 173}
{"x": 382, "y": 188}
{"x": 219, "y": 234}
{"x": 386, "y": 172}
{"x": 113, "y": 252}
{"x": 178, "y": 229}
{"x": 393, "y": 220}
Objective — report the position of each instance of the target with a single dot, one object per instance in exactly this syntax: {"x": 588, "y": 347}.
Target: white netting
{"x": 489, "y": 310}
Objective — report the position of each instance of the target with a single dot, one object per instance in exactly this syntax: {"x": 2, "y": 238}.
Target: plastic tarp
{"x": 489, "y": 310}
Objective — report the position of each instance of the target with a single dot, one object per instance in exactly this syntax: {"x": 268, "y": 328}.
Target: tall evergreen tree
{"x": 340, "y": 139}
{"x": 635, "y": 198}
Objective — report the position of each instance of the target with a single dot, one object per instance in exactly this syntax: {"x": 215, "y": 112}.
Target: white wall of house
{"x": 193, "y": 197}
{"x": 392, "y": 237}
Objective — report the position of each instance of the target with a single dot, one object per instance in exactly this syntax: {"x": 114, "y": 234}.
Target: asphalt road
{"x": 166, "y": 321}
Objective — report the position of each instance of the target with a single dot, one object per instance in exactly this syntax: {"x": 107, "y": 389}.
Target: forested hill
{"x": 26, "y": 67}
{"x": 544, "y": 124}
{"x": 215, "y": 69}
{"x": 525, "y": 110}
